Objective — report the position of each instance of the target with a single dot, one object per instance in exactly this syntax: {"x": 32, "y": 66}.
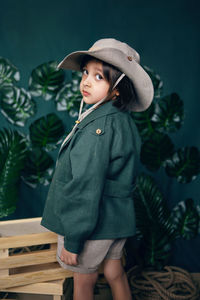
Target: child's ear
{"x": 114, "y": 94}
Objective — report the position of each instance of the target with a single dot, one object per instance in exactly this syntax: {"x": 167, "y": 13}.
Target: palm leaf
{"x": 12, "y": 157}
{"x": 169, "y": 114}
{"x": 69, "y": 97}
{"x": 46, "y": 80}
{"x": 184, "y": 164}
{"x": 17, "y": 105}
{"x": 155, "y": 151}
{"x": 46, "y": 132}
{"x": 153, "y": 221}
{"x": 186, "y": 219}
{"x": 9, "y": 74}
{"x": 38, "y": 169}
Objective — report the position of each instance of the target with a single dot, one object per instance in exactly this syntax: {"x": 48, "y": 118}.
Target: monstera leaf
{"x": 144, "y": 122}
{"x": 46, "y": 80}
{"x": 9, "y": 74}
{"x": 38, "y": 169}
{"x": 156, "y": 150}
{"x": 157, "y": 82}
{"x": 186, "y": 219}
{"x": 17, "y": 105}
{"x": 12, "y": 159}
{"x": 69, "y": 97}
{"x": 168, "y": 115}
{"x": 46, "y": 132}
{"x": 184, "y": 164}
{"x": 153, "y": 221}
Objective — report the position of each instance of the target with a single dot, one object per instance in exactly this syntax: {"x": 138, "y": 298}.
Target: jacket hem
{"x": 92, "y": 236}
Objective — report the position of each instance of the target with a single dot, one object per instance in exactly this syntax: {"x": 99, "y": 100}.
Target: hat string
{"x": 81, "y": 115}
{"x": 118, "y": 80}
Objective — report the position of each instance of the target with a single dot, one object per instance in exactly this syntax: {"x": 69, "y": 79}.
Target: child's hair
{"x": 125, "y": 87}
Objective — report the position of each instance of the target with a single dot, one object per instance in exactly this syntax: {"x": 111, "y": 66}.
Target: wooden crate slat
{"x": 28, "y": 240}
{"x": 43, "y": 288}
{"x": 28, "y": 259}
{"x": 4, "y": 254}
{"x": 33, "y": 277}
{"x": 21, "y": 226}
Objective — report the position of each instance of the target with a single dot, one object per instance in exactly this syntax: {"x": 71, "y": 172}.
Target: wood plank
{"x": 28, "y": 259}
{"x": 21, "y": 226}
{"x": 3, "y": 255}
{"x": 56, "y": 297}
{"x": 43, "y": 288}
{"x": 33, "y": 277}
{"x": 28, "y": 240}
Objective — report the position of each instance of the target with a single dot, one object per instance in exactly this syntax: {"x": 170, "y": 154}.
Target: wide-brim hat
{"x": 126, "y": 59}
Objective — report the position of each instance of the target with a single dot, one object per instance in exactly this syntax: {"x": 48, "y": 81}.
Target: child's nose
{"x": 87, "y": 81}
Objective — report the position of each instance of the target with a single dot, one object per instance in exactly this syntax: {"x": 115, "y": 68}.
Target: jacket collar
{"x": 105, "y": 109}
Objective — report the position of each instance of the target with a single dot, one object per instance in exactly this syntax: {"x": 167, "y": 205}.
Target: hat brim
{"x": 132, "y": 69}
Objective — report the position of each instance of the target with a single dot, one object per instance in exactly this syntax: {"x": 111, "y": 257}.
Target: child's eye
{"x": 99, "y": 77}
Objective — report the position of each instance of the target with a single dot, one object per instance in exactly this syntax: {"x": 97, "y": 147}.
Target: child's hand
{"x": 68, "y": 257}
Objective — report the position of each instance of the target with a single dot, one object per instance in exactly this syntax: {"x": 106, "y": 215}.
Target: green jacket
{"x": 90, "y": 193}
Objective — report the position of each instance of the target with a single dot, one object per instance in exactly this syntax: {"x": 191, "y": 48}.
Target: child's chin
{"x": 87, "y": 101}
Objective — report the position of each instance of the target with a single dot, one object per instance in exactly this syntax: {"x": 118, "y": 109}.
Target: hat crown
{"x": 115, "y": 44}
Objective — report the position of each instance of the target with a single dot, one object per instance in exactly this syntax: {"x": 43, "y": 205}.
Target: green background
{"x": 165, "y": 33}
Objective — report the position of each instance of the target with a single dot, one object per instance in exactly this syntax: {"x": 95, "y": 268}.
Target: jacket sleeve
{"x": 89, "y": 159}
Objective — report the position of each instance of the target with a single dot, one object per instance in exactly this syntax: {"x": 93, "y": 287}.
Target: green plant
{"x": 69, "y": 97}
{"x": 12, "y": 159}
{"x": 157, "y": 226}
{"x": 45, "y": 133}
{"x": 46, "y": 80}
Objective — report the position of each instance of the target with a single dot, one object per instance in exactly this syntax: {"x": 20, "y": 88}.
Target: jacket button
{"x": 98, "y": 131}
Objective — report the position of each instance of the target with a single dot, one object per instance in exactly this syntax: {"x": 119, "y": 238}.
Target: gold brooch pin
{"x": 77, "y": 121}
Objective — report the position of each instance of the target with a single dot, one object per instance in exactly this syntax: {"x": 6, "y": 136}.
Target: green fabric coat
{"x": 90, "y": 193}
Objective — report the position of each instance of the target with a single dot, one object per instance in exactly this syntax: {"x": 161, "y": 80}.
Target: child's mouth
{"x": 86, "y": 93}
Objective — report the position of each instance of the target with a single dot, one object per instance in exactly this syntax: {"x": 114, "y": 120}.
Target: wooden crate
{"x": 33, "y": 271}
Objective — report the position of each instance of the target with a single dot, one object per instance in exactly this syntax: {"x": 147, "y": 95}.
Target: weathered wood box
{"x": 28, "y": 259}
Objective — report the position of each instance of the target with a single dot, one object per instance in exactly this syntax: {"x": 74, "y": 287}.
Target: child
{"x": 89, "y": 204}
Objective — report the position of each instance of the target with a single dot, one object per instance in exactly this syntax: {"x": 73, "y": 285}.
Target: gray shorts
{"x": 93, "y": 254}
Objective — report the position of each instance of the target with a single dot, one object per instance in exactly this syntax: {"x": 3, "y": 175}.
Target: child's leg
{"x": 117, "y": 279}
{"x": 84, "y": 286}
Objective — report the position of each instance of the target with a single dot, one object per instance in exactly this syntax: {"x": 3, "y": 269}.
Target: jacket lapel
{"x": 103, "y": 110}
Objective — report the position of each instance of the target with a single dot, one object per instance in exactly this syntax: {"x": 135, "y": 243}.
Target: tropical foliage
{"x": 46, "y": 132}
{"x": 46, "y": 80}
{"x": 69, "y": 97}
{"x": 157, "y": 226}
{"x": 17, "y": 105}
{"x": 12, "y": 159}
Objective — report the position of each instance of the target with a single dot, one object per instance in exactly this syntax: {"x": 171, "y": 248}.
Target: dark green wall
{"x": 165, "y": 33}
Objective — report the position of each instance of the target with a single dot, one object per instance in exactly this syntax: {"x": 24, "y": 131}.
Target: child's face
{"x": 93, "y": 85}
